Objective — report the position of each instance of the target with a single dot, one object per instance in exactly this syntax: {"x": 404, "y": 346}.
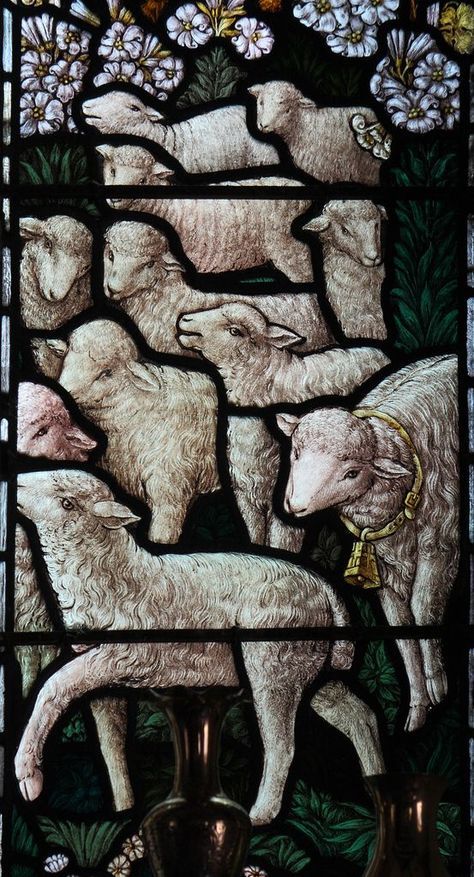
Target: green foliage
{"x": 327, "y": 550}
{"x": 75, "y": 787}
{"x": 22, "y": 838}
{"x": 424, "y": 295}
{"x": 366, "y": 613}
{"x": 423, "y": 164}
{"x": 448, "y": 824}
{"x": 89, "y": 843}
{"x": 23, "y": 871}
{"x": 75, "y": 730}
{"x": 438, "y": 749}
{"x": 215, "y": 76}
{"x": 214, "y": 522}
{"x": 151, "y": 724}
{"x": 378, "y": 674}
{"x": 56, "y": 164}
{"x": 302, "y": 58}
{"x": 280, "y": 851}
{"x": 236, "y": 725}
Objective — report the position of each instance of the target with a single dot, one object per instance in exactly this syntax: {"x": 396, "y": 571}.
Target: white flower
{"x": 34, "y": 66}
{"x": 375, "y": 11}
{"x": 65, "y": 79}
{"x": 40, "y": 112}
{"x": 437, "y": 75}
{"x": 123, "y": 71}
{"x": 120, "y": 866}
{"x": 356, "y": 40}
{"x": 189, "y": 27}
{"x": 323, "y": 15}
{"x": 450, "y": 110}
{"x": 70, "y": 123}
{"x": 415, "y": 111}
{"x": 37, "y": 33}
{"x": 121, "y": 42}
{"x": 255, "y": 38}
{"x": 151, "y": 53}
{"x": 411, "y": 49}
{"x": 382, "y": 83}
{"x": 169, "y": 73}
{"x": 254, "y": 871}
{"x": 55, "y": 863}
{"x": 372, "y": 137}
{"x": 70, "y": 39}
{"x": 133, "y": 847}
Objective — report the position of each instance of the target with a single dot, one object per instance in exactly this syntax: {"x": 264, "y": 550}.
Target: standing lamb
{"x": 161, "y": 424}
{"x": 215, "y": 141}
{"x": 172, "y": 592}
{"x": 391, "y": 469}
{"x": 250, "y": 233}
{"x": 148, "y": 282}
{"x": 253, "y": 359}
{"x": 55, "y": 282}
{"x": 351, "y": 239}
{"x": 321, "y": 140}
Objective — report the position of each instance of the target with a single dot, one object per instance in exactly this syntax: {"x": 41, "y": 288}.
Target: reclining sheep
{"x": 254, "y": 361}
{"x": 363, "y": 465}
{"x": 173, "y": 592}
{"x": 165, "y": 413}
{"x": 218, "y": 140}
{"x": 321, "y": 140}
{"x": 148, "y": 282}
{"x": 250, "y": 233}
{"x": 351, "y": 236}
{"x": 55, "y": 269}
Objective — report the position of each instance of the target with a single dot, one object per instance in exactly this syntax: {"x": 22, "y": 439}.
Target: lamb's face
{"x": 45, "y": 428}
{"x": 60, "y": 249}
{"x": 131, "y": 166}
{"x": 69, "y": 503}
{"x": 331, "y": 461}
{"x": 277, "y": 105}
{"x": 354, "y": 228}
{"x": 120, "y": 111}
{"x": 127, "y": 273}
{"x": 223, "y": 334}
{"x": 95, "y": 365}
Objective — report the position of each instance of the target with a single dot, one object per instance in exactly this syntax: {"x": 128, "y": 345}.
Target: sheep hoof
{"x": 437, "y": 687}
{"x": 416, "y": 717}
{"x": 32, "y": 785}
{"x": 262, "y": 815}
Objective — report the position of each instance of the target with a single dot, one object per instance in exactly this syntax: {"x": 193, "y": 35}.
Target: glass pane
{"x": 7, "y": 41}
{"x": 6, "y": 276}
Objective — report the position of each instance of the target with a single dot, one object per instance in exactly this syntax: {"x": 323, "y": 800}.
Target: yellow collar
{"x": 412, "y": 499}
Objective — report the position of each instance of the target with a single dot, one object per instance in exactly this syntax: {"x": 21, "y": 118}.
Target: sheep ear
{"x": 113, "y": 515}
{"x": 280, "y": 336}
{"x": 386, "y": 468}
{"x": 105, "y": 151}
{"x": 31, "y": 228}
{"x": 317, "y": 224}
{"x": 305, "y": 103}
{"x": 171, "y": 264}
{"x": 155, "y": 117}
{"x": 287, "y": 423}
{"x": 255, "y": 90}
{"x": 382, "y": 211}
{"x": 58, "y": 346}
{"x": 160, "y": 172}
{"x": 144, "y": 375}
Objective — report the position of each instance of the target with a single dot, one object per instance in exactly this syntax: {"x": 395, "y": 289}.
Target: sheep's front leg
{"x": 168, "y": 514}
{"x": 350, "y": 715}
{"x": 284, "y": 536}
{"x": 110, "y": 716}
{"x": 433, "y": 582}
{"x": 293, "y": 258}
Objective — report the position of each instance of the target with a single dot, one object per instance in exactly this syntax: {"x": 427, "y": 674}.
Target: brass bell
{"x": 362, "y": 569}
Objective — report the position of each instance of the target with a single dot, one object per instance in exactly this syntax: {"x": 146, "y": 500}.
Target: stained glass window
{"x": 236, "y": 432}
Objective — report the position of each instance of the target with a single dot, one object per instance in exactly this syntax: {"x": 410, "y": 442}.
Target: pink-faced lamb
{"x": 255, "y": 362}
{"x": 392, "y": 466}
{"x": 99, "y": 558}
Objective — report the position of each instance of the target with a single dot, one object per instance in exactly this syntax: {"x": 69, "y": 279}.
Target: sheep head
{"x": 136, "y": 259}
{"x": 352, "y": 227}
{"x": 121, "y": 112}
{"x": 97, "y": 362}
{"x": 45, "y": 427}
{"x": 334, "y": 460}
{"x": 278, "y": 105}
{"x": 231, "y": 333}
{"x": 67, "y": 505}
{"x": 59, "y": 250}
{"x": 131, "y": 166}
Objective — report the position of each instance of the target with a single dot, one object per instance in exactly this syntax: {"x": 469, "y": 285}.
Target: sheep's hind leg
{"x": 431, "y": 589}
{"x": 350, "y": 715}
{"x": 110, "y": 716}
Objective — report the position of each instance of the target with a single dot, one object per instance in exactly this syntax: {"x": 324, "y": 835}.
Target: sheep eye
{"x": 105, "y": 373}
{"x": 48, "y": 245}
{"x": 67, "y": 504}
{"x": 345, "y": 230}
{"x": 142, "y": 181}
{"x": 110, "y": 255}
{"x": 41, "y": 432}
{"x": 234, "y": 331}
{"x": 134, "y": 108}
{"x": 112, "y": 172}
{"x": 150, "y": 264}
{"x": 296, "y": 454}
{"x": 352, "y": 473}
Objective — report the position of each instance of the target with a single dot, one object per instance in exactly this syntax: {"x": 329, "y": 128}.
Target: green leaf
{"x": 152, "y": 723}
{"x": 327, "y": 550}
{"x": 23, "y": 841}
{"x": 89, "y": 843}
{"x": 216, "y": 76}
{"x": 280, "y": 851}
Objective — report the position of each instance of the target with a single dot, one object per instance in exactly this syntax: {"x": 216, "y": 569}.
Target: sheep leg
{"x": 431, "y": 588}
{"x": 350, "y": 715}
{"x": 293, "y": 258}
{"x": 168, "y": 514}
{"x": 110, "y": 716}
{"x": 254, "y": 517}
{"x": 32, "y": 660}
{"x": 284, "y": 536}
{"x": 398, "y": 612}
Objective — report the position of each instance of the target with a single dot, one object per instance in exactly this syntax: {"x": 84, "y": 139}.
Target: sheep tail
{"x": 342, "y": 651}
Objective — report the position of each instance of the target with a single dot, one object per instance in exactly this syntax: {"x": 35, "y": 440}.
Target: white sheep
{"x": 254, "y": 360}
{"x": 55, "y": 282}
{"x": 367, "y": 468}
{"x": 99, "y": 558}
{"x": 165, "y": 413}
{"x": 148, "y": 282}
{"x": 320, "y": 140}
{"x": 351, "y": 238}
{"x": 214, "y": 141}
{"x": 217, "y": 234}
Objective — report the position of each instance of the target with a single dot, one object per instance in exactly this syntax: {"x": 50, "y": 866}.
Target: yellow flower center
{"x": 187, "y": 25}
{"x": 355, "y": 36}
{"x": 369, "y": 140}
{"x": 323, "y": 6}
{"x": 376, "y": 2}
{"x": 122, "y": 78}
{"x": 255, "y": 37}
{"x": 448, "y": 110}
{"x": 118, "y": 44}
{"x": 70, "y": 37}
{"x": 416, "y": 113}
{"x": 41, "y": 70}
{"x": 38, "y": 113}
{"x": 66, "y": 79}
{"x": 437, "y": 74}
{"x": 169, "y": 74}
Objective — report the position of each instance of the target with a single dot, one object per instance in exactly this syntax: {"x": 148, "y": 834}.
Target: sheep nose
{"x": 112, "y": 292}
{"x": 292, "y": 507}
